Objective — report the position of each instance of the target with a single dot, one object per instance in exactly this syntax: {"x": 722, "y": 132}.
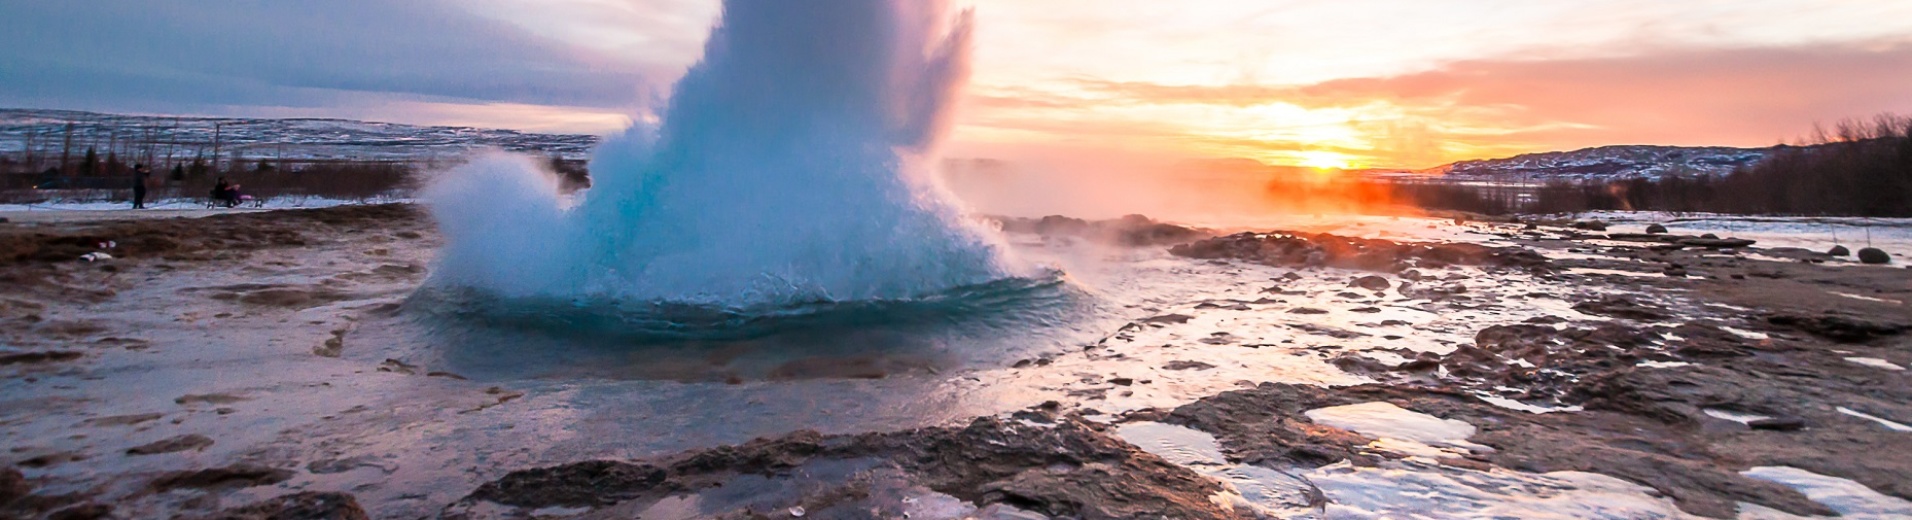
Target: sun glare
{"x": 1324, "y": 160}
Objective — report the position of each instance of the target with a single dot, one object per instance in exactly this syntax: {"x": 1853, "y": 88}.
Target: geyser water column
{"x": 786, "y": 169}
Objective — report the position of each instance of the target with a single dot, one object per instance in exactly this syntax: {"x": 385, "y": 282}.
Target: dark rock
{"x": 1839, "y": 251}
{"x": 44, "y": 356}
{"x": 1709, "y": 236}
{"x": 1306, "y": 310}
{"x": 310, "y": 505}
{"x": 13, "y": 486}
{"x": 1168, "y": 318}
{"x": 1621, "y": 307}
{"x": 1372, "y": 283}
{"x": 1674, "y": 271}
{"x": 1186, "y": 365}
{"x": 1067, "y": 468}
{"x": 180, "y": 443}
{"x": 235, "y": 476}
{"x": 1716, "y": 243}
{"x": 1297, "y": 249}
{"x": 1841, "y": 328}
{"x": 589, "y": 483}
{"x": 1784, "y": 424}
{"x": 1130, "y": 230}
{"x": 1590, "y": 225}
{"x": 87, "y": 511}
{"x": 1122, "y": 381}
{"x": 1655, "y": 229}
{"x": 1874, "y": 256}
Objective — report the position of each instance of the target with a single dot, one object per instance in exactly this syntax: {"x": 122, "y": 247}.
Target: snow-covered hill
{"x": 187, "y": 137}
{"x": 1609, "y": 162}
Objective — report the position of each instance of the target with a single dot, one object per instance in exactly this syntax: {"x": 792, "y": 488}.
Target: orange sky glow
{"x": 1349, "y": 83}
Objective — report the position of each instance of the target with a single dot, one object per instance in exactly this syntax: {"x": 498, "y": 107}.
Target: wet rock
{"x": 170, "y": 445}
{"x": 1372, "y": 283}
{"x": 1711, "y": 242}
{"x": 310, "y": 505}
{"x": 1590, "y": 225}
{"x": 1839, "y": 251}
{"x": 1306, "y": 310}
{"x": 1785, "y": 424}
{"x": 122, "y": 420}
{"x": 1655, "y": 229}
{"x": 1674, "y": 271}
{"x": 1066, "y": 468}
{"x": 1621, "y": 307}
{"x": 235, "y": 476}
{"x": 43, "y": 356}
{"x": 1167, "y": 319}
{"x": 87, "y": 511}
{"x": 1121, "y": 381}
{"x": 1839, "y": 327}
{"x": 333, "y": 346}
{"x": 1874, "y": 256}
{"x": 1266, "y": 424}
{"x": 589, "y": 483}
{"x": 1297, "y": 249}
{"x": 1130, "y": 230}
{"x": 13, "y": 486}
{"x": 192, "y": 399}
{"x": 1186, "y": 365}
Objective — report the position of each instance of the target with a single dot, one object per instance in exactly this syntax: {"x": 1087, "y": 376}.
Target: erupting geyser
{"x": 786, "y": 169}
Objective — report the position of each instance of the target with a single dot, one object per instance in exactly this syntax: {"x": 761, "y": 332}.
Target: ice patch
{"x": 1851, "y": 499}
{"x": 1888, "y": 424}
{"x": 1663, "y": 364}
{"x": 1387, "y": 421}
{"x": 1746, "y": 333}
{"x": 1867, "y": 298}
{"x": 1875, "y": 363}
{"x": 1742, "y": 418}
{"x": 1524, "y": 407}
{"x": 1411, "y": 488}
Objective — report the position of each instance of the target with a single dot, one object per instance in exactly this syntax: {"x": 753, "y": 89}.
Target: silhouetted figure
{"x": 140, "y": 175}
{"x": 225, "y": 194}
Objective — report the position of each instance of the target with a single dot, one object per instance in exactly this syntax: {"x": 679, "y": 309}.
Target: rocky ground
{"x": 1696, "y": 363}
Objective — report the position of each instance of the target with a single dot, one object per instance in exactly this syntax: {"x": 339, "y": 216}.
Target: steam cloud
{"x": 788, "y": 167}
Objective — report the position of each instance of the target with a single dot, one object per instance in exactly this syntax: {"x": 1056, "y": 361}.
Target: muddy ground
{"x": 1768, "y": 357}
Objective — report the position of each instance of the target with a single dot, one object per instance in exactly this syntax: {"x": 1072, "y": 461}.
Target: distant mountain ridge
{"x": 345, "y": 139}
{"x": 289, "y": 138}
{"x": 1611, "y": 163}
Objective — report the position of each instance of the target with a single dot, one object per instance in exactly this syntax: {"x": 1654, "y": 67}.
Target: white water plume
{"x": 787, "y": 168}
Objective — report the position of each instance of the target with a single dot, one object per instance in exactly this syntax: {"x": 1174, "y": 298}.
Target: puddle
{"x": 1387, "y": 421}
{"x": 1888, "y": 424}
{"x": 1875, "y": 363}
{"x": 1851, "y": 499}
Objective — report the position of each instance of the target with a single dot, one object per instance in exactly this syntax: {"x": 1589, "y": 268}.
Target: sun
{"x": 1324, "y": 160}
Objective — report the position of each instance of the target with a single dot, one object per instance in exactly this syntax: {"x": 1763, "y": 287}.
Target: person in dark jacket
{"x": 140, "y": 176}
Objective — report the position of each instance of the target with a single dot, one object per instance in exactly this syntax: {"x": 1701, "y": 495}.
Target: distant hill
{"x": 1609, "y": 162}
{"x": 319, "y": 139}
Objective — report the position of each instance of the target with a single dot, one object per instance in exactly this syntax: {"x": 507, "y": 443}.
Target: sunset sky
{"x": 1331, "y": 83}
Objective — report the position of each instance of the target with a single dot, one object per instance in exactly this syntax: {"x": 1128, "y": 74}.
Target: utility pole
{"x": 216, "y": 126}
{"x": 66, "y": 152}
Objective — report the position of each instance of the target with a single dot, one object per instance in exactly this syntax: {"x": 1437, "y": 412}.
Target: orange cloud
{"x": 1478, "y": 108}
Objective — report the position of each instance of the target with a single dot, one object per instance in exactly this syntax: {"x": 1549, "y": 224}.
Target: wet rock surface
{"x": 1643, "y": 370}
{"x": 311, "y": 505}
{"x": 1131, "y": 230}
{"x": 1036, "y": 461}
{"x": 1297, "y": 249}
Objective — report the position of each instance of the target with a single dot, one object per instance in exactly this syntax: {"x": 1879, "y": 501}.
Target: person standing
{"x": 140, "y": 175}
